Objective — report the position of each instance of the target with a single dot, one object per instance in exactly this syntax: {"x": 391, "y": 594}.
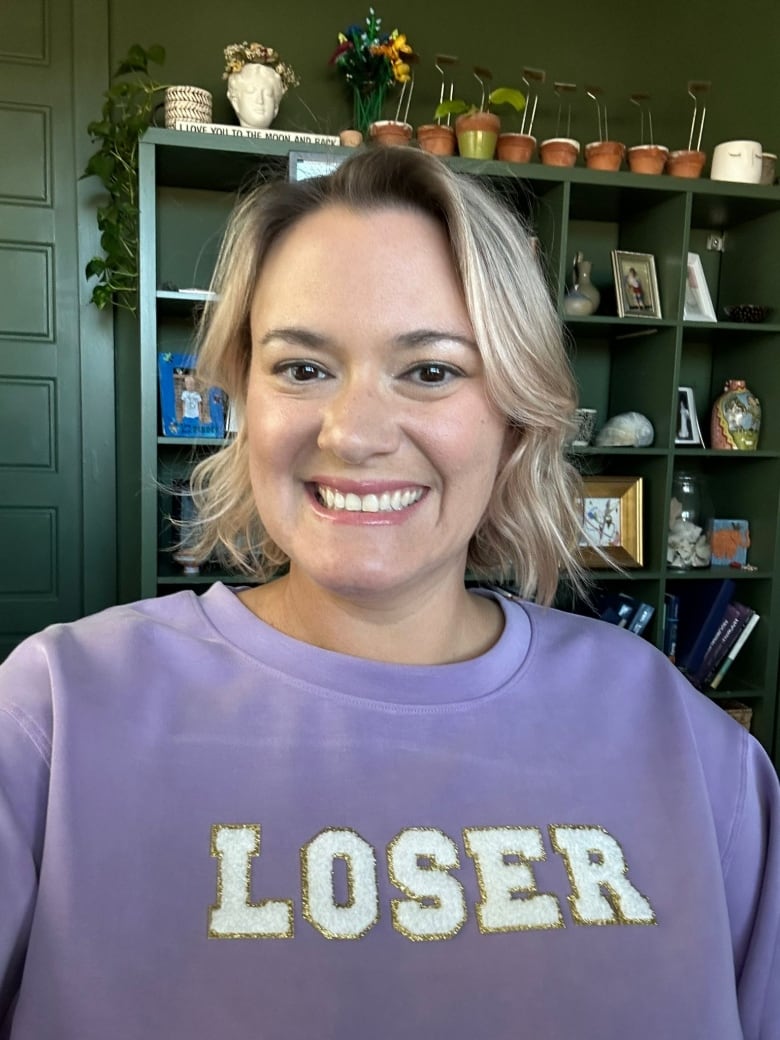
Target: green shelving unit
{"x": 187, "y": 186}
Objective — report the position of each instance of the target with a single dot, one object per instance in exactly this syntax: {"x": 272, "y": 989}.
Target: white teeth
{"x": 387, "y": 502}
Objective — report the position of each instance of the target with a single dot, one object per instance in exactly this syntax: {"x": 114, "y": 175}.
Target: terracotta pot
{"x": 477, "y": 134}
{"x": 685, "y": 164}
{"x": 436, "y": 139}
{"x": 604, "y": 155}
{"x": 350, "y": 138}
{"x": 516, "y": 147}
{"x": 559, "y": 151}
{"x": 390, "y": 132}
{"x": 647, "y": 158}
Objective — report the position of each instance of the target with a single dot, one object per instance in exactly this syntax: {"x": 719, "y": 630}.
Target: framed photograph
{"x": 698, "y": 302}
{"x": 612, "y": 522}
{"x": 688, "y": 429}
{"x": 312, "y": 164}
{"x": 188, "y": 409}
{"x": 636, "y": 285}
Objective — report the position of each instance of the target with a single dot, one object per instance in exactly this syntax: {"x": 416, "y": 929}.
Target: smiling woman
{"x": 371, "y": 801}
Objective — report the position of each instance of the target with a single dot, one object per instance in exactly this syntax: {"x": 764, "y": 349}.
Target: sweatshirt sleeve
{"x": 25, "y": 750}
{"x": 751, "y": 870}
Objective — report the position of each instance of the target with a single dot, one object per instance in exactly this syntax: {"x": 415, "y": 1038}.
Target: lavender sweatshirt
{"x": 208, "y": 829}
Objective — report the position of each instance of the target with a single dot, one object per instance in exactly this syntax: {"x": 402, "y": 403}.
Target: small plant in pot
{"x": 689, "y": 162}
{"x": 603, "y": 154}
{"x": 438, "y": 138}
{"x": 560, "y": 150}
{"x": 477, "y": 128}
{"x": 646, "y": 158}
{"x": 520, "y": 146}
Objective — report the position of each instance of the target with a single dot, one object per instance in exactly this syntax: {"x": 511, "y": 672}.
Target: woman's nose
{"x": 359, "y": 422}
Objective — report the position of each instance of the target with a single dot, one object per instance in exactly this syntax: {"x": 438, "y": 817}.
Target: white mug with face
{"x": 255, "y": 92}
{"x": 737, "y": 161}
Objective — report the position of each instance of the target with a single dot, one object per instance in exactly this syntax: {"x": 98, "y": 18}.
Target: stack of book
{"x": 626, "y": 612}
{"x": 705, "y": 629}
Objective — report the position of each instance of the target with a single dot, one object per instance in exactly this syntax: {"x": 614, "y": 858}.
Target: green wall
{"x": 622, "y": 48}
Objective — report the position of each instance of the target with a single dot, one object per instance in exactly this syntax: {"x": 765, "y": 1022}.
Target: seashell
{"x": 627, "y": 430}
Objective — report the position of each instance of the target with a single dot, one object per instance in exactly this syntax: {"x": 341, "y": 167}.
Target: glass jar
{"x": 688, "y": 539}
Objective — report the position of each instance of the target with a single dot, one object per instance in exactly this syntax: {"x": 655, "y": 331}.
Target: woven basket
{"x": 190, "y": 103}
{"x": 739, "y": 711}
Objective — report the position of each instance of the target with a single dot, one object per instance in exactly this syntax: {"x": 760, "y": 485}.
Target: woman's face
{"x": 373, "y": 447}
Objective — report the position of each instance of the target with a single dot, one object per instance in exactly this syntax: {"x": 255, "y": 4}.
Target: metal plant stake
{"x": 697, "y": 89}
{"x": 561, "y": 89}
{"x": 532, "y": 78}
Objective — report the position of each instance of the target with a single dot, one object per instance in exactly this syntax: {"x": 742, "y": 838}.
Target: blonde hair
{"x": 530, "y": 529}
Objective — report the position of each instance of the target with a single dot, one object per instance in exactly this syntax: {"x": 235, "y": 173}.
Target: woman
{"x": 359, "y": 799}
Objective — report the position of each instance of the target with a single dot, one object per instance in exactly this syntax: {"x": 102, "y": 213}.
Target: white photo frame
{"x": 688, "y": 429}
{"x": 698, "y": 302}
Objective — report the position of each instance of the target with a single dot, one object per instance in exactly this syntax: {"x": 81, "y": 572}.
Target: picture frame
{"x": 303, "y": 165}
{"x": 612, "y": 522}
{"x": 698, "y": 302}
{"x": 187, "y": 409}
{"x": 636, "y": 285}
{"x": 688, "y": 430}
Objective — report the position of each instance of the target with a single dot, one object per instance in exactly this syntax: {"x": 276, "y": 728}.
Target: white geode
{"x": 627, "y": 430}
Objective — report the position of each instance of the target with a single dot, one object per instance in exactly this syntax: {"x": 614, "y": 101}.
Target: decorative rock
{"x": 627, "y": 430}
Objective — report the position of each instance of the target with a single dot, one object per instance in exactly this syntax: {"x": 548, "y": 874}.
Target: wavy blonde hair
{"x": 530, "y": 529}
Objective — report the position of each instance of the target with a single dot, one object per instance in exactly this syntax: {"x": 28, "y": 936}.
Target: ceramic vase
{"x": 436, "y": 138}
{"x": 576, "y": 304}
{"x": 736, "y": 418}
{"x": 585, "y": 286}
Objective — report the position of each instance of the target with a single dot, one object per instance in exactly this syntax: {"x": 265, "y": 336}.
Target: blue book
{"x": 702, "y": 607}
{"x": 671, "y": 622}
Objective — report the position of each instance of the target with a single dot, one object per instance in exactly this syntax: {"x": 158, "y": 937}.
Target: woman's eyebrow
{"x": 407, "y": 340}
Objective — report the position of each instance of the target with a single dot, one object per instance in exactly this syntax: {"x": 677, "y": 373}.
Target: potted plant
{"x": 603, "y": 154}
{"x": 372, "y": 62}
{"x": 476, "y": 127}
{"x": 689, "y": 162}
{"x": 561, "y": 151}
{"x": 128, "y": 109}
{"x": 646, "y": 158}
{"x": 438, "y": 138}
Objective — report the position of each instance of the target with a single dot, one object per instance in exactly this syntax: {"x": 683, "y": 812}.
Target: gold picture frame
{"x": 612, "y": 522}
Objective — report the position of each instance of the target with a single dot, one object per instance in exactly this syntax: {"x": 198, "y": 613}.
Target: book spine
{"x": 671, "y": 621}
{"x": 732, "y": 654}
{"x": 738, "y": 617}
{"x": 641, "y": 618}
{"x": 719, "y": 644}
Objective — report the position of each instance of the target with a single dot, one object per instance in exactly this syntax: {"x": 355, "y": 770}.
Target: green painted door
{"x": 47, "y": 475}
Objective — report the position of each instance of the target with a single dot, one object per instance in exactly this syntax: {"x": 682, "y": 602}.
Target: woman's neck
{"x": 446, "y": 625}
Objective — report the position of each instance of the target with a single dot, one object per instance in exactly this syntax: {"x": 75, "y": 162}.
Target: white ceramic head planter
{"x": 737, "y": 161}
{"x": 255, "y": 92}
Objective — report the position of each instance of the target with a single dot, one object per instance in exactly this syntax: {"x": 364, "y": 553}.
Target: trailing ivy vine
{"x": 128, "y": 109}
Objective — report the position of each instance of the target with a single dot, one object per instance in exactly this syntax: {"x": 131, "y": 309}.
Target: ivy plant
{"x": 128, "y": 109}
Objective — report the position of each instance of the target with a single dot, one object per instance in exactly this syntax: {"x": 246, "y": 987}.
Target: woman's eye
{"x": 301, "y": 371}
{"x": 433, "y": 373}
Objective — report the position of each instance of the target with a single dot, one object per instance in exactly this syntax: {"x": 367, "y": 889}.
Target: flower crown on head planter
{"x": 237, "y": 55}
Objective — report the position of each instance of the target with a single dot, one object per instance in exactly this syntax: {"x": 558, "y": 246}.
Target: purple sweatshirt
{"x": 208, "y": 829}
